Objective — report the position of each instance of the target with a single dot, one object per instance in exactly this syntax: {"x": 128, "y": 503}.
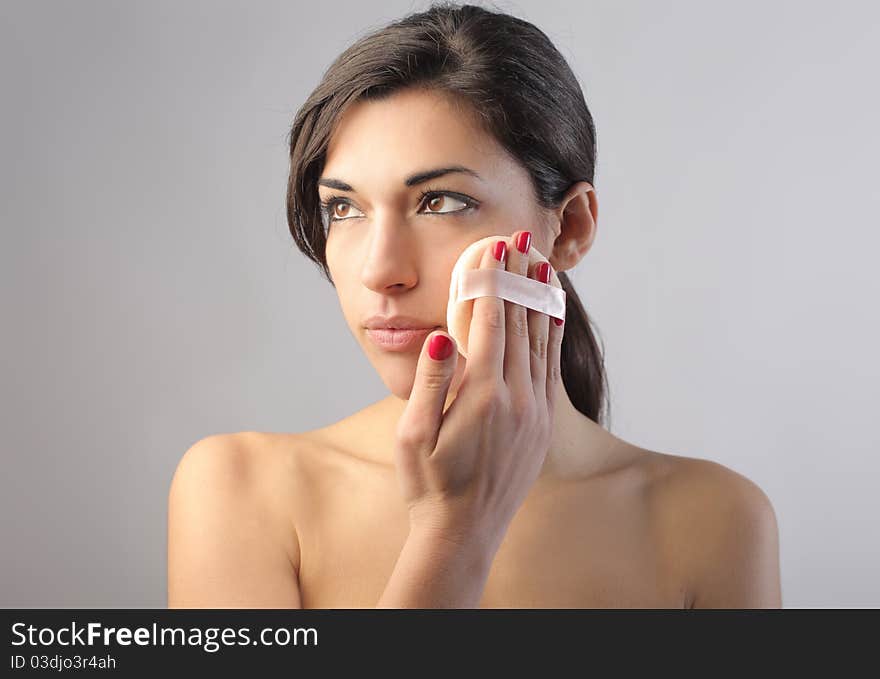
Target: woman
{"x": 478, "y": 482}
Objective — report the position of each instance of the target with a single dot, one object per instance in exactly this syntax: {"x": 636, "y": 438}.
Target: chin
{"x": 400, "y": 382}
{"x": 399, "y": 374}
{"x": 397, "y": 370}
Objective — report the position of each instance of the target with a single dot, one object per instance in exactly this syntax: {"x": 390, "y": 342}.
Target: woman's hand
{"x": 464, "y": 473}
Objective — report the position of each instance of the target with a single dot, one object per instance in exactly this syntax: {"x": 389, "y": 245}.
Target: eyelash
{"x": 327, "y": 206}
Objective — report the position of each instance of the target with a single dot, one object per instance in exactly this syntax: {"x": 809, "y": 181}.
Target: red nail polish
{"x": 439, "y": 347}
{"x": 500, "y": 250}
{"x": 557, "y": 321}
{"x": 543, "y": 272}
{"x": 523, "y": 241}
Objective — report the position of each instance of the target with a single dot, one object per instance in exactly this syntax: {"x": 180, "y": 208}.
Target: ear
{"x": 574, "y": 225}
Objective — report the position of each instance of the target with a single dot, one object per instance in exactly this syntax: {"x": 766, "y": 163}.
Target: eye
{"x": 436, "y": 200}
{"x": 338, "y": 209}
{"x": 330, "y": 212}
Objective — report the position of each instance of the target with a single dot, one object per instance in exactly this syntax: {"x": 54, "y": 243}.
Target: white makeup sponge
{"x": 469, "y": 281}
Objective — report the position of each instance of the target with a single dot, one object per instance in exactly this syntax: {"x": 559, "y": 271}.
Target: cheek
{"x": 339, "y": 261}
{"x": 438, "y": 272}
{"x": 330, "y": 251}
{"x": 448, "y": 259}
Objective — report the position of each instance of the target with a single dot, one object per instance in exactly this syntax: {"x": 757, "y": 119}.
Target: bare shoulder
{"x": 720, "y": 528}
{"x": 243, "y": 462}
{"x": 692, "y": 484}
{"x": 230, "y": 538}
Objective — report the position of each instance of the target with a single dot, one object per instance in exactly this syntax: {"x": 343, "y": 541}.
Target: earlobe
{"x": 577, "y": 216}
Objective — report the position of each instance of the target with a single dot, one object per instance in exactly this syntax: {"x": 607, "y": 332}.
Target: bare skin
{"x": 583, "y": 538}
{"x": 316, "y": 519}
{"x": 313, "y": 520}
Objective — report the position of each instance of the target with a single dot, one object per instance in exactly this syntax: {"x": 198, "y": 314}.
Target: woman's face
{"x": 390, "y": 251}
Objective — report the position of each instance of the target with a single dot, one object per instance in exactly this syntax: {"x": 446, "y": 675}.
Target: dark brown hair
{"x": 520, "y": 89}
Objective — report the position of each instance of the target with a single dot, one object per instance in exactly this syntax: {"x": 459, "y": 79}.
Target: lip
{"x": 397, "y": 333}
{"x": 396, "y": 323}
{"x": 398, "y": 339}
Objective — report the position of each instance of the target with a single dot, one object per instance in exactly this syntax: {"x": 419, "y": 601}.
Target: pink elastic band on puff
{"x": 469, "y": 282}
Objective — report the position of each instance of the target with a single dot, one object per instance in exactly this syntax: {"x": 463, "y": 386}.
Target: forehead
{"x": 388, "y": 139}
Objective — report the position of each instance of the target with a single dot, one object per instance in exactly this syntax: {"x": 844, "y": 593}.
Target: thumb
{"x": 419, "y": 425}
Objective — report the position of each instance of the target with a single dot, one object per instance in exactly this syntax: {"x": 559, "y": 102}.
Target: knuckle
{"x": 486, "y": 408}
{"x": 411, "y": 438}
{"x": 489, "y": 404}
{"x": 434, "y": 381}
{"x": 539, "y": 345}
{"x": 523, "y": 406}
{"x": 493, "y": 316}
{"x": 555, "y": 373}
{"x": 518, "y": 322}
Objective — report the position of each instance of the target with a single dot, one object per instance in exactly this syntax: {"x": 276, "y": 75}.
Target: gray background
{"x": 151, "y": 294}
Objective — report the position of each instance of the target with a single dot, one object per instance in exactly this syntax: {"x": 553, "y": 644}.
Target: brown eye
{"x": 437, "y": 202}
{"x": 337, "y": 210}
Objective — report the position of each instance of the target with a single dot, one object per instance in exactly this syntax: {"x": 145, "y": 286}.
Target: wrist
{"x": 473, "y": 552}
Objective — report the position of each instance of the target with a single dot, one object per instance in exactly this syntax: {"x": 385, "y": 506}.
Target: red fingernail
{"x": 523, "y": 241}
{"x": 500, "y": 250}
{"x": 543, "y": 273}
{"x": 440, "y": 347}
{"x": 558, "y": 321}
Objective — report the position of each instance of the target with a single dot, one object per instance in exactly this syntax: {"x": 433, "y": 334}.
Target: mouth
{"x": 399, "y": 339}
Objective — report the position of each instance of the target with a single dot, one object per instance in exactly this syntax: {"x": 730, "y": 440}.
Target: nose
{"x": 390, "y": 258}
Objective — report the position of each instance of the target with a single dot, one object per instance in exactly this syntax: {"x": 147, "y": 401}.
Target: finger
{"x": 538, "y": 336}
{"x": 418, "y": 426}
{"x": 517, "y": 373}
{"x": 486, "y": 334}
{"x": 554, "y": 358}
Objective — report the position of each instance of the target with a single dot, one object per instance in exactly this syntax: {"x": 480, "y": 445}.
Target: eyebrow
{"x": 417, "y": 178}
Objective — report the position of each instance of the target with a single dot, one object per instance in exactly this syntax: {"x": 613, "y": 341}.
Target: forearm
{"x": 432, "y": 572}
